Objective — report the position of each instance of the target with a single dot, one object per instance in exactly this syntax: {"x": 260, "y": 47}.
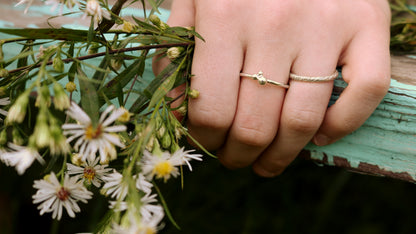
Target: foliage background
{"x": 305, "y": 199}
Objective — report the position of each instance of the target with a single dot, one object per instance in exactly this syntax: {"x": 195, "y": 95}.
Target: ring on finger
{"x": 262, "y": 80}
{"x": 331, "y": 77}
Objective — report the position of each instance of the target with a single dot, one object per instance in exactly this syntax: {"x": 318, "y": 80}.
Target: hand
{"x": 267, "y": 126}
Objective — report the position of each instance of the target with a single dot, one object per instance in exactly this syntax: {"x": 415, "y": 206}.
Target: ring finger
{"x": 303, "y": 111}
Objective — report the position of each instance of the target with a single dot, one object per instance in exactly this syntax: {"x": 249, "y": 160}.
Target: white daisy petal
{"x": 53, "y": 196}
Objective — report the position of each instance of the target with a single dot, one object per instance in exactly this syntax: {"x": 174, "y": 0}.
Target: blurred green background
{"x": 306, "y": 198}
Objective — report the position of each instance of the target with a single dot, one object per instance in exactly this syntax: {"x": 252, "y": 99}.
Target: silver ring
{"x": 262, "y": 80}
{"x": 331, "y": 77}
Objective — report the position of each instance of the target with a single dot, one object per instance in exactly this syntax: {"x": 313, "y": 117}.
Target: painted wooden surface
{"x": 385, "y": 145}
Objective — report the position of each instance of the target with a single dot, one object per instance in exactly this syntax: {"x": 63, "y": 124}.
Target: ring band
{"x": 331, "y": 77}
{"x": 262, "y": 80}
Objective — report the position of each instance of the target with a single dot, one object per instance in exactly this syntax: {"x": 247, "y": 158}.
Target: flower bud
{"x": 193, "y": 93}
{"x": 93, "y": 49}
{"x": 44, "y": 97}
{"x": 166, "y": 141}
{"x": 58, "y": 64}
{"x": 116, "y": 64}
{"x": 41, "y": 132}
{"x": 61, "y": 99}
{"x": 155, "y": 20}
{"x": 57, "y": 143}
{"x": 150, "y": 143}
{"x": 183, "y": 109}
{"x": 174, "y": 52}
{"x": 4, "y": 72}
{"x": 179, "y": 130}
{"x": 17, "y": 111}
{"x": 76, "y": 159}
{"x": 128, "y": 27}
{"x": 70, "y": 87}
{"x": 125, "y": 117}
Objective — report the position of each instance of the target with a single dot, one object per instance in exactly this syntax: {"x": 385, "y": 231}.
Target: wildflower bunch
{"x": 77, "y": 104}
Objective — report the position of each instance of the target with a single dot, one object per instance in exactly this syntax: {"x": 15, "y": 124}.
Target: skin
{"x": 267, "y": 126}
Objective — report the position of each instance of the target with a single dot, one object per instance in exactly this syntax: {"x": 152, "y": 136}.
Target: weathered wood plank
{"x": 386, "y": 144}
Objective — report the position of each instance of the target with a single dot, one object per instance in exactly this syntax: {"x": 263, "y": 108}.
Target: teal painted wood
{"x": 386, "y": 143}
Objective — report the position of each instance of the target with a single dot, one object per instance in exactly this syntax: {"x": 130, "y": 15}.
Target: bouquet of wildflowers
{"x": 77, "y": 103}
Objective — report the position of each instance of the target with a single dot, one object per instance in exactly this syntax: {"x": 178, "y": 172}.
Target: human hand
{"x": 267, "y": 126}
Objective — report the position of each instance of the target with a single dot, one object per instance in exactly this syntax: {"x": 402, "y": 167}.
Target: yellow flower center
{"x": 163, "y": 169}
{"x": 91, "y": 133}
{"x": 89, "y": 173}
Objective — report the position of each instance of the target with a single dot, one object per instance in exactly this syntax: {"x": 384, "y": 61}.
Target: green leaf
{"x": 89, "y": 97}
{"x": 152, "y": 87}
{"x": 163, "y": 89}
{"x": 91, "y": 32}
{"x": 154, "y": 5}
{"x": 112, "y": 88}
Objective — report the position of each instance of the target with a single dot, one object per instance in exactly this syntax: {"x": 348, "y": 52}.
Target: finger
{"x": 182, "y": 13}
{"x": 366, "y": 68}
{"x": 302, "y": 114}
{"x": 305, "y": 102}
{"x": 258, "y": 111}
{"x": 216, "y": 66}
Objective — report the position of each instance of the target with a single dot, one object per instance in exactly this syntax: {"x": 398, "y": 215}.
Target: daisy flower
{"x": 115, "y": 186}
{"x": 54, "y": 197}
{"x": 92, "y": 139}
{"x": 165, "y": 165}
{"x": 90, "y": 171}
{"x": 20, "y": 157}
{"x": 149, "y": 225}
{"x": 161, "y": 166}
{"x": 94, "y": 9}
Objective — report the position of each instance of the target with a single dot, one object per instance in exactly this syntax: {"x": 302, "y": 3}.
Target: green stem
{"x": 122, "y": 50}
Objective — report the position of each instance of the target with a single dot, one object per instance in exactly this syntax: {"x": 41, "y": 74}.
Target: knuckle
{"x": 303, "y": 121}
{"x": 253, "y": 130}
{"x": 210, "y": 118}
{"x": 373, "y": 12}
{"x": 376, "y": 88}
{"x": 253, "y": 136}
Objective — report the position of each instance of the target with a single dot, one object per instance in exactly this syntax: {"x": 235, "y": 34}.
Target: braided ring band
{"x": 331, "y": 77}
{"x": 262, "y": 80}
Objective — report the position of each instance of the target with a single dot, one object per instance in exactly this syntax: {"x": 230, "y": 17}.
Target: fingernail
{"x": 321, "y": 140}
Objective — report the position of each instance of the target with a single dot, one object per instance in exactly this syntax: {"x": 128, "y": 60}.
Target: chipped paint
{"x": 385, "y": 144}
